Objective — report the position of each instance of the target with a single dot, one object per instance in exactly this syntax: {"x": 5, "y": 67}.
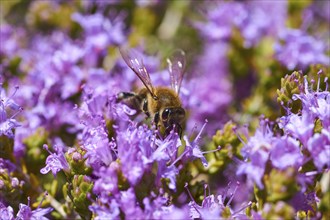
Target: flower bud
{"x": 291, "y": 84}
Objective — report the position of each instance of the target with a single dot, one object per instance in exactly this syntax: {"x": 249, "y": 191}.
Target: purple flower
{"x": 304, "y": 201}
{"x": 11, "y": 40}
{"x": 93, "y": 109}
{"x": 298, "y": 126}
{"x": 7, "y": 104}
{"x": 257, "y": 150}
{"x": 125, "y": 203}
{"x": 48, "y": 116}
{"x": 107, "y": 182}
{"x": 66, "y": 57}
{"x": 21, "y": 133}
{"x": 213, "y": 206}
{"x": 25, "y": 212}
{"x": 167, "y": 172}
{"x": 55, "y": 161}
{"x": 100, "y": 82}
{"x": 129, "y": 204}
{"x": 64, "y": 60}
{"x": 261, "y": 140}
{"x": 7, "y": 165}
{"x": 167, "y": 148}
{"x": 255, "y": 168}
{"x": 209, "y": 93}
{"x": 192, "y": 150}
{"x": 111, "y": 202}
{"x": 210, "y": 208}
{"x": 286, "y": 153}
{"x": 300, "y": 50}
{"x": 315, "y": 16}
{"x": 266, "y": 18}
{"x": 99, "y": 151}
{"x": 254, "y": 19}
{"x": 6, "y": 213}
{"x": 166, "y": 152}
{"x": 135, "y": 147}
{"x": 59, "y": 55}
{"x": 321, "y": 8}
{"x": 316, "y": 103}
{"x": 100, "y": 32}
{"x": 321, "y": 110}
{"x": 44, "y": 92}
{"x": 109, "y": 211}
{"x": 319, "y": 147}
{"x": 98, "y": 108}
{"x": 98, "y": 27}
{"x": 8, "y": 182}
{"x": 157, "y": 208}
{"x": 220, "y": 20}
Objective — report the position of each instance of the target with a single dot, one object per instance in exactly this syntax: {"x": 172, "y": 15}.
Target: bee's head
{"x": 173, "y": 116}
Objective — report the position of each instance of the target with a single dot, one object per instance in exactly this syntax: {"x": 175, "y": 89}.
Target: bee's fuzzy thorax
{"x": 166, "y": 98}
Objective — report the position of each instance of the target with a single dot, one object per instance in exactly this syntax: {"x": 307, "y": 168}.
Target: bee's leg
{"x": 156, "y": 118}
{"x": 145, "y": 108}
{"x": 156, "y": 122}
{"x": 124, "y": 95}
{"x": 130, "y": 99}
{"x": 179, "y": 129}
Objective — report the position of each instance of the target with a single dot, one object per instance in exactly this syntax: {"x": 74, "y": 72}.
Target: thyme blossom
{"x": 55, "y": 161}
{"x": 7, "y": 124}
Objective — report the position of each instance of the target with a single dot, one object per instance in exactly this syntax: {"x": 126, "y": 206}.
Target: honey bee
{"x": 161, "y": 104}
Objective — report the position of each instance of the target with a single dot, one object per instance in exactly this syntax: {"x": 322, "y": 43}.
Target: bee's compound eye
{"x": 180, "y": 112}
{"x": 165, "y": 114}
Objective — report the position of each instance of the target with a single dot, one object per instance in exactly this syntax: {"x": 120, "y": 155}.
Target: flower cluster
{"x": 301, "y": 153}
{"x": 74, "y": 149}
{"x": 299, "y": 50}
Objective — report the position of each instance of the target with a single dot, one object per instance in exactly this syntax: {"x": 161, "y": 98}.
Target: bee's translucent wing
{"x": 135, "y": 62}
{"x": 176, "y": 66}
